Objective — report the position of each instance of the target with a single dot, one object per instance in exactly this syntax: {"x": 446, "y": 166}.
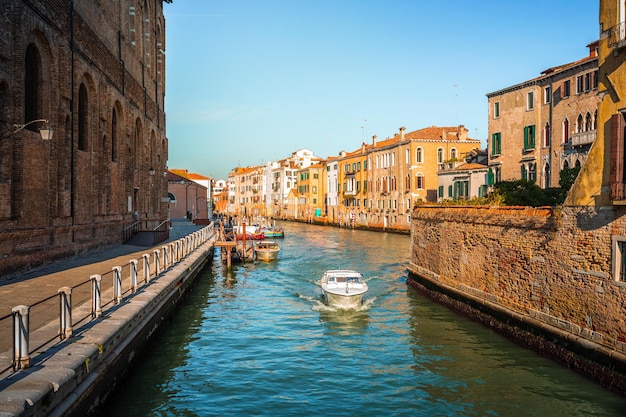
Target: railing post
{"x": 96, "y": 296}
{"x": 178, "y": 250}
{"x": 157, "y": 263}
{"x": 146, "y": 267}
{"x": 21, "y": 319}
{"x": 117, "y": 284}
{"x": 172, "y": 246}
{"x": 65, "y": 316}
{"x": 164, "y": 255}
{"x": 133, "y": 274}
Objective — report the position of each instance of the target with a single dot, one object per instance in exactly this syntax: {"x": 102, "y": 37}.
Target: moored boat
{"x": 273, "y": 232}
{"x": 266, "y": 250}
{"x": 343, "y": 288}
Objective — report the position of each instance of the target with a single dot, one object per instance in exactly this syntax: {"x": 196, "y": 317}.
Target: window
{"x": 496, "y": 109}
{"x": 419, "y": 155}
{"x": 546, "y": 135}
{"x": 524, "y": 173}
{"x": 565, "y": 130}
{"x": 496, "y": 143}
{"x": 450, "y": 192}
{"x": 530, "y": 101}
{"x": 588, "y": 122}
{"x": 546, "y": 176}
{"x": 419, "y": 181}
{"x": 453, "y": 154}
{"x": 440, "y": 191}
{"x": 595, "y": 79}
{"x": 83, "y": 122}
{"x": 440, "y": 155}
{"x": 588, "y": 81}
{"x": 579, "y": 84}
{"x": 461, "y": 190}
{"x": 529, "y": 137}
{"x": 114, "y": 129}
{"x": 32, "y": 86}
{"x": 580, "y": 124}
{"x": 566, "y": 88}
{"x": 547, "y": 95}
{"x": 619, "y": 258}
{"x": 532, "y": 172}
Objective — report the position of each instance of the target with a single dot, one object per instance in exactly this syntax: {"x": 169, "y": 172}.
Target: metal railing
{"x": 35, "y": 327}
{"x": 617, "y": 35}
{"x": 130, "y": 231}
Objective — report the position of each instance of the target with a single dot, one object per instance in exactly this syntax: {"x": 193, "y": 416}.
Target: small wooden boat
{"x": 266, "y": 250}
{"x": 343, "y": 288}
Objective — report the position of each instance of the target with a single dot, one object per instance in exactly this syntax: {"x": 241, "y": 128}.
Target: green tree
{"x": 567, "y": 178}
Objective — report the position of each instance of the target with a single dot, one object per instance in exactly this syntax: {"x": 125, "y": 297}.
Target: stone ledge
{"x": 71, "y": 376}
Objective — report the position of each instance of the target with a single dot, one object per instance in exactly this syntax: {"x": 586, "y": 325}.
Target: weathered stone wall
{"x": 550, "y": 267}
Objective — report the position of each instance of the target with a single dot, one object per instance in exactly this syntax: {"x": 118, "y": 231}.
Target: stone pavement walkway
{"x": 35, "y": 285}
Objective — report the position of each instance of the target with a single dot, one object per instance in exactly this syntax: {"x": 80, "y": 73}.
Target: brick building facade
{"x": 546, "y": 277}
{"x": 94, "y": 72}
{"x": 543, "y": 125}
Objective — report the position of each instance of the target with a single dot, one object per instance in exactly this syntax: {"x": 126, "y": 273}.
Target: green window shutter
{"x": 440, "y": 191}
{"x": 499, "y": 143}
{"x": 526, "y": 137}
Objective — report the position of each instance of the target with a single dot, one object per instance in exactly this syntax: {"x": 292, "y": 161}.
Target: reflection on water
{"x": 259, "y": 340}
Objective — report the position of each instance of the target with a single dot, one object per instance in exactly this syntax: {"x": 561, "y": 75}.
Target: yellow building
{"x": 311, "y": 191}
{"x": 426, "y": 151}
{"x": 602, "y": 179}
{"x": 352, "y": 181}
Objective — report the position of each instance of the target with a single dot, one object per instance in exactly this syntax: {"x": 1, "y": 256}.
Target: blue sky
{"x": 251, "y": 81}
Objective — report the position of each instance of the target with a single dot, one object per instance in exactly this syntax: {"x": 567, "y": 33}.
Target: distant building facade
{"x": 95, "y": 74}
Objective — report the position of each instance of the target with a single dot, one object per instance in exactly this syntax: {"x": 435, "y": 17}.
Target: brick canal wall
{"x": 541, "y": 276}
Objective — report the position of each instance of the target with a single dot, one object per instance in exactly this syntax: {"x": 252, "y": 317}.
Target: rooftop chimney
{"x": 374, "y": 141}
{"x": 402, "y": 129}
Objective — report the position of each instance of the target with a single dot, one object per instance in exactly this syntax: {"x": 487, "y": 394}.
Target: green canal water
{"x": 257, "y": 340}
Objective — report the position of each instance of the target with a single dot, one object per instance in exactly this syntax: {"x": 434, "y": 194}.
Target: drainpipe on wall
{"x": 72, "y": 167}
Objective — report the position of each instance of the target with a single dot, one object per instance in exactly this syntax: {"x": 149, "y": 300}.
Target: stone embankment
{"x": 75, "y": 376}
{"x": 545, "y": 277}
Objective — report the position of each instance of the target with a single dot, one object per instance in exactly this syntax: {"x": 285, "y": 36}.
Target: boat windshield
{"x": 351, "y": 280}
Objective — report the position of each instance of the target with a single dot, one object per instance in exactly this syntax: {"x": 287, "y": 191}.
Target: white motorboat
{"x": 343, "y": 288}
{"x": 266, "y": 250}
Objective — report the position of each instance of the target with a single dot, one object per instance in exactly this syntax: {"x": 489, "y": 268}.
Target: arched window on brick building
{"x": 83, "y": 118}
{"x": 32, "y": 86}
{"x": 114, "y": 138}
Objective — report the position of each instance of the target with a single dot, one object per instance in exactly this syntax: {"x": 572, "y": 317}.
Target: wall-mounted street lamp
{"x": 45, "y": 132}
{"x": 151, "y": 171}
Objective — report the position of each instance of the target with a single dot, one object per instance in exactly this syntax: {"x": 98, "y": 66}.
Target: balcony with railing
{"x": 617, "y": 36}
{"x": 583, "y": 138}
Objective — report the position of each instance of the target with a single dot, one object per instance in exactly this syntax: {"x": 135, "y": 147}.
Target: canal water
{"x": 257, "y": 340}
